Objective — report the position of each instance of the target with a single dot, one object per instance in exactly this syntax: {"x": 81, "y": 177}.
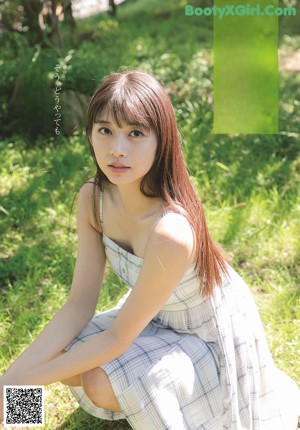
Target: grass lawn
{"x": 249, "y": 185}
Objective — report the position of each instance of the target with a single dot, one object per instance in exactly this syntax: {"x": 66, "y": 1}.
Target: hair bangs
{"x": 125, "y": 108}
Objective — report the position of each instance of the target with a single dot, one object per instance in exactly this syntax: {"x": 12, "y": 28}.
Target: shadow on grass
{"x": 80, "y": 420}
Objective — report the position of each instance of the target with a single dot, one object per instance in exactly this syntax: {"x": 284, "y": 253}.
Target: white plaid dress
{"x": 200, "y": 364}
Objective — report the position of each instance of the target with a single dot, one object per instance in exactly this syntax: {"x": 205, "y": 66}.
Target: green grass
{"x": 248, "y": 184}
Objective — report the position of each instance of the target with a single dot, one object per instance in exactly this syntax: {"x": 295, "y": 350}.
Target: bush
{"x": 26, "y": 94}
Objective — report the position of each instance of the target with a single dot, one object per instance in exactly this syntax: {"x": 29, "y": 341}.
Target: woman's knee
{"x": 97, "y": 387}
{"x": 94, "y": 382}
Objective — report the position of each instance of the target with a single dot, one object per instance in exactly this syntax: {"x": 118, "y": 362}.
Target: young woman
{"x": 185, "y": 348}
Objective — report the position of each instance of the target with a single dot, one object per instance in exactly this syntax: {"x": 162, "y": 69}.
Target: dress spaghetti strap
{"x": 161, "y": 216}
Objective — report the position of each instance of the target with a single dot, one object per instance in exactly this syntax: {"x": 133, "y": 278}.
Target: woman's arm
{"x": 168, "y": 254}
{"x": 83, "y": 297}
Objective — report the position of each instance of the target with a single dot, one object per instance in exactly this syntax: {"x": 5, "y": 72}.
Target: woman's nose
{"x": 118, "y": 147}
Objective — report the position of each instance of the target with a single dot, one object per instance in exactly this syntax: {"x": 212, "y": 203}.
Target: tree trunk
{"x": 68, "y": 14}
{"x": 54, "y": 34}
{"x": 32, "y": 9}
{"x": 112, "y": 7}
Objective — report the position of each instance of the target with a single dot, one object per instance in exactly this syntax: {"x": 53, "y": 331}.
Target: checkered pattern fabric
{"x": 200, "y": 364}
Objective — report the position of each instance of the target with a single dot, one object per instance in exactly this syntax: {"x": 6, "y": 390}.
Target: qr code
{"x": 23, "y": 405}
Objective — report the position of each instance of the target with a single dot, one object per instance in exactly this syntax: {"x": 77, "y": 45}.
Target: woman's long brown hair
{"x": 136, "y": 97}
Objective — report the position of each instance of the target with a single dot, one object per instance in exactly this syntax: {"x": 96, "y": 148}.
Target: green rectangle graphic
{"x": 246, "y": 67}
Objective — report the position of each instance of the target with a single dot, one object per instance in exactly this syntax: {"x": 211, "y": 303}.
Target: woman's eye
{"x": 104, "y": 130}
{"x": 136, "y": 133}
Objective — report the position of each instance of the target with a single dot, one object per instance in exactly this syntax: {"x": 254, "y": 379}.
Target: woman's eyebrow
{"x": 139, "y": 125}
{"x": 101, "y": 121}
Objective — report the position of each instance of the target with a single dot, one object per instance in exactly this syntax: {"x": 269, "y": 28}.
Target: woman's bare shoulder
{"x": 174, "y": 230}
{"x": 89, "y": 203}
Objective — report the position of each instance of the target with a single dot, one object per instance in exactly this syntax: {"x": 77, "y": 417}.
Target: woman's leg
{"x": 97, "y": 387}
{"x": 73, "y": 381}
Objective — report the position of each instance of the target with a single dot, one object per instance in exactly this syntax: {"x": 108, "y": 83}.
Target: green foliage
{"x": 26, "y": 91}
{"x": 33, "y": 104}
{"x": 13, "y": 48}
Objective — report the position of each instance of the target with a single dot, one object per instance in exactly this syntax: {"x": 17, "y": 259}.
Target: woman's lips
{"x": 118, "y": 168}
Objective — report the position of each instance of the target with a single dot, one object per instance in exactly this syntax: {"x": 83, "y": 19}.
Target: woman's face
{"x": 124, "y": 154}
